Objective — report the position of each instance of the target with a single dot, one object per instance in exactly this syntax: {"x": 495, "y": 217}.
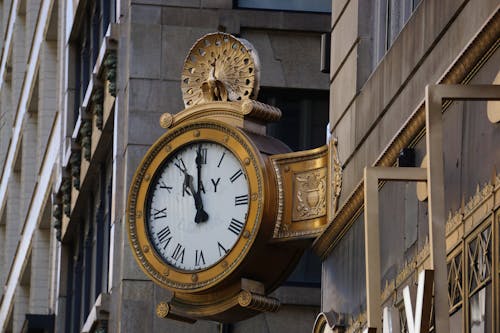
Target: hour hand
{"x": 201, "y": 215}
{"x": 187, "y": 185}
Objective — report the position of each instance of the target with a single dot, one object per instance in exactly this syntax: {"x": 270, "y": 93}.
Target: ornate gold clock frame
{"x": 291, "y": 194}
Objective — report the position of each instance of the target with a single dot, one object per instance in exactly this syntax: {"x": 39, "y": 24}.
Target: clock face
{"x": 197, "y": 205}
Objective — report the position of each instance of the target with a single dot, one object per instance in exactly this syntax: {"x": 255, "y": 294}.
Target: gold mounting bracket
{"x": 244, "y": 297}
{"x": 309, "y": 184}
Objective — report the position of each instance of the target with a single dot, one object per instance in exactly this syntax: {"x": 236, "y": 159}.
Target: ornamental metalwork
{"x": 310, "y": 195}
{"x": 455, "y": 291}
{"x": 220, "y": 67}
{"x": 479, "y": 257}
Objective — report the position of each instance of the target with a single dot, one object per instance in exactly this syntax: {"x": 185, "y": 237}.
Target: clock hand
{"x": 201, "y": 215}
{"x": 185, "y": 184}
{"x": 198, "y": 161}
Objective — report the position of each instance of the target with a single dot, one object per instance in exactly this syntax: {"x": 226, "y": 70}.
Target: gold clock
{"x": 199, "y": 204}
{"x": 216, "y": 210}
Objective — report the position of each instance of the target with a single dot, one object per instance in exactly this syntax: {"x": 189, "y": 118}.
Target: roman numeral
{"x": 235, "y": 226}
{"x": 164, "y": 185}
{"x": 199, "y": 259}
{"x": 161, "y": 213}
{"x": 236, "y": 176}
{"x": 163, "y": 236}
{"x": 178, "y": 165}
{"x": 179, "y": 253}
{"x": 222, "y": 249}
{"x": 215, "y": 183}
{"x": 202, "y": 155}
{"x": 241, "y": 200}
{"x": 222, "y": 157}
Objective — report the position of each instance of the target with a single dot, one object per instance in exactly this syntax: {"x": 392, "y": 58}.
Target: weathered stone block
{"x": 175, "y": 41}
{"x": 145, "y": 14}
{"x": 343, "y": 88}
{"x": 344, "y": 35}
{"x": 155, "y": 96}
{"x": 145, "y": 57}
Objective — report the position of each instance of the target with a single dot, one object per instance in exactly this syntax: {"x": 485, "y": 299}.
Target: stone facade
{"x": 384, "y": 53}
{"x": 83, "y": 86}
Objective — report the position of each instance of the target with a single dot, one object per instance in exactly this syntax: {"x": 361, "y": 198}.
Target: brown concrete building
{"x": 83, "y": 84}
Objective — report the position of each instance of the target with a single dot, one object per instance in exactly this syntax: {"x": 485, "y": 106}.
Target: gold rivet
{"x": 168, "y": 148}
{"x": 145, "y": 248}
{"x": 139, "y": 214}
{"x": 166, "y": 272}
{"x": 247, "y": 161}
{"x": 226, "y": 138}
{"x": 196, "y": 133}
{"x": 287, "y": 168}
{"x": 224, "y": 264}
{"x": 147, "y": 177}
{"x": 194, "y": 277}
{"x": 244, "y": 298}
{"x": 246, "y": 234}
{"x": 254, "y": 196}
{"x": 166, "y": 120}
{"x": 162, "y": 310}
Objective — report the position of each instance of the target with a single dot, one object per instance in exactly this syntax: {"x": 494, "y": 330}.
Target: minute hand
{"x": 201, "y": 215}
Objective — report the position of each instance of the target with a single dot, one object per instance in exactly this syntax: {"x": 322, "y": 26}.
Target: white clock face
{"x": 197, "y": 206}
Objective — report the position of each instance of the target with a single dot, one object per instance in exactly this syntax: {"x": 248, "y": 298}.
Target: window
{"x": 304, "y": 116}
{"x": 94, "y": 23}
{"x": 390, "y": 18}
{"x": 88, "y": 254}
{"x": 302, "y": 126}
{"x": 322, "y": 6}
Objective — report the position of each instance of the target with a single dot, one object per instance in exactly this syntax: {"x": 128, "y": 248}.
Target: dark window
{"x": 322, "y": 6}
{"x": 302, "y": 126}
{"x": 93, "y": 26}
{"x": 304, "y": 116}
{"x": 88, "y": 253}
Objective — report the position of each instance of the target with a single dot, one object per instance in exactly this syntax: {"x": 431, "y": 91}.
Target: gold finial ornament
{"x": 162, "y": 310}
{"x": 166, "y": 120}
{"x": 220, "y": 67}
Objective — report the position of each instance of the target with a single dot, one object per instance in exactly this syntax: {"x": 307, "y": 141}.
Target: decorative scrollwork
{"x": 98, "y": 107}
{"x": 66, "y": 194}
{"x": 75, "y": 162}
{"x": 336, "y": 175}
{"x": 111, "y": 63}
{"x": 57, "y": 214}
{"x": 86, "y": 137}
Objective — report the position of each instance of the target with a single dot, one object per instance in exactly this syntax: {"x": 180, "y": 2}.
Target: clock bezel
{"x": 249, "y": 158}
{"x": 154, "y": 183}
